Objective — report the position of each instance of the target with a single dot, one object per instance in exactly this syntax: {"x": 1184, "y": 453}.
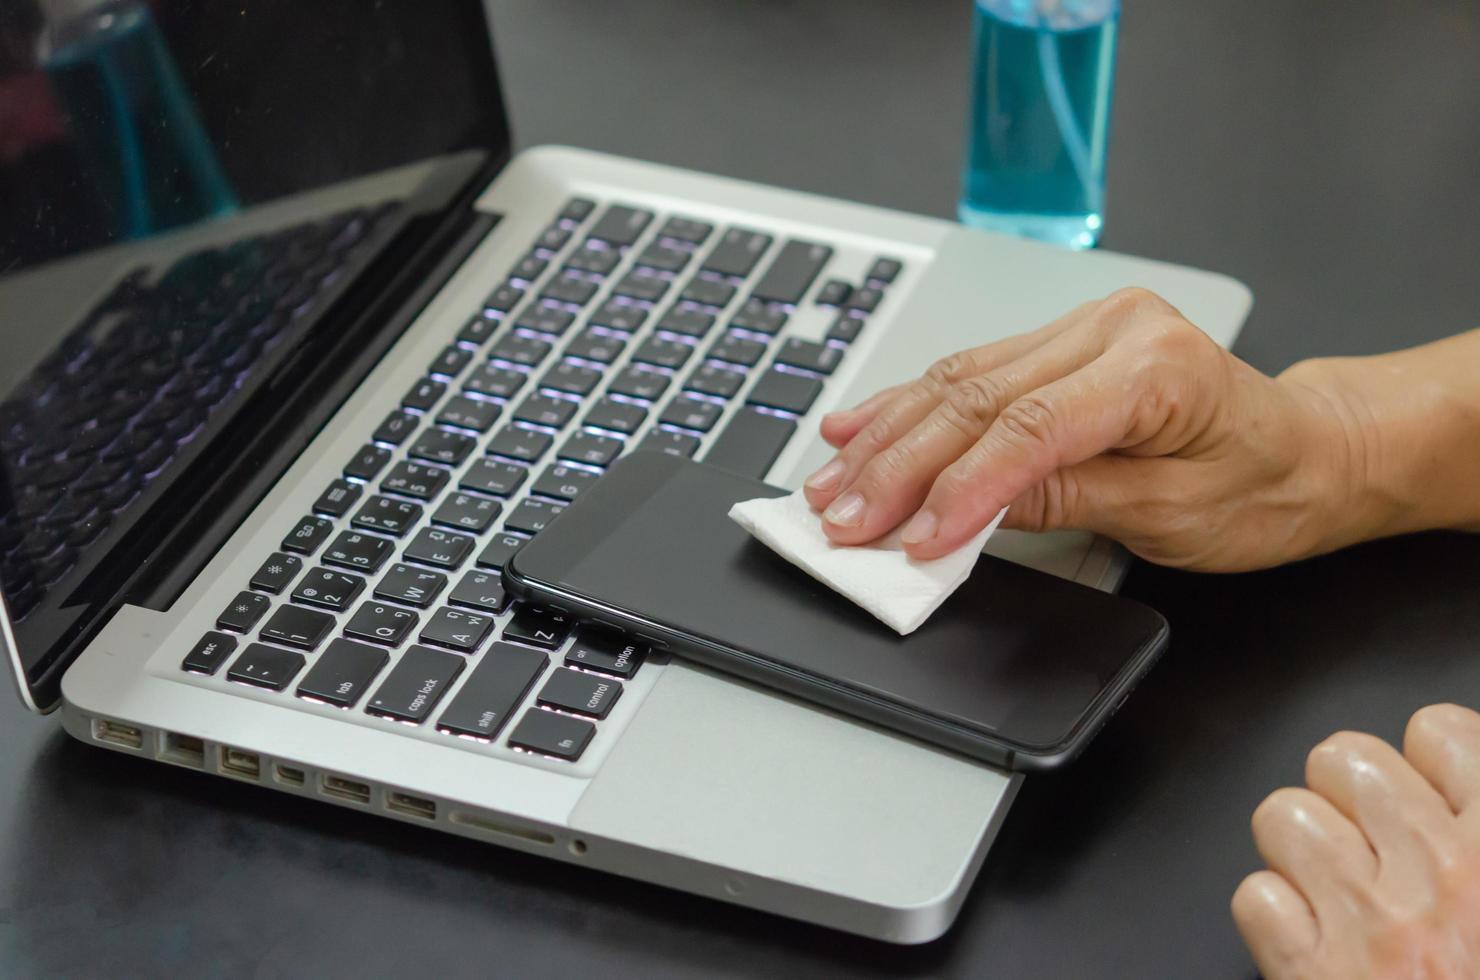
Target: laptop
{"x": 297, "y": 355}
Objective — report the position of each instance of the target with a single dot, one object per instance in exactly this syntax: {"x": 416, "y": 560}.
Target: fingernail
{"x": 846, "y": 511}
{"x": 824, "y": 478}
{"x": 922, "y": 527}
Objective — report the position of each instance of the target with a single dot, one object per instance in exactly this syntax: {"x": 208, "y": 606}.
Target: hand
{"x": 1120, "y": 417}
{"x": 1375, "y": 869}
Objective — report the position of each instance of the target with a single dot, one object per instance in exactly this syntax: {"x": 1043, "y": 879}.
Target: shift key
{"x": 493, "y": 692}
{"x": 415, "y": 685}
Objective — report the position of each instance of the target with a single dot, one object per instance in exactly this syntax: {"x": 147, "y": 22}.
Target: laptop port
{"x": 240, "y": 763}
{"x": 411, "y": 806}
{"x": 288, "y": 775}
{"x": 344, "y": 789}
{"x": 183, "y": 750}
{"x": 117, "y": 733}
{"x": 487, "y": 825}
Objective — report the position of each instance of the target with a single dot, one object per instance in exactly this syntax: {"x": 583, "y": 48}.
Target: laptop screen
{"x": 192, "y": 195}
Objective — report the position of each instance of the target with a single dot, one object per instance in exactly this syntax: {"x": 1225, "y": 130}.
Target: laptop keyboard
{"x": 621, "y": 329}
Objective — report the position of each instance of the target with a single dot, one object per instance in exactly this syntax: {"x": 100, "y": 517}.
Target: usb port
{"x": 240, "y": 763}
{"x": 288, "y": 775}
{"x": 344, "y": 789}
{"x": 411, "y": 806}
{"x": 117, "y": 733}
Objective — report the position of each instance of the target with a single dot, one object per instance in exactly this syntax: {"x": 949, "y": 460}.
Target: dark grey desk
{"x": 1327, "y": 153}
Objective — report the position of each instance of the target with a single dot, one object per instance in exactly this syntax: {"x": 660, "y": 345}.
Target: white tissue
{"x": 879, "y": 577}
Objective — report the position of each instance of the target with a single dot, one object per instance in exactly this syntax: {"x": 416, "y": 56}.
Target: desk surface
{"x": 1326, "y": 153}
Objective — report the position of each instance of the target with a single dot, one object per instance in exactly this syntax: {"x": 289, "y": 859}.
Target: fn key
{"x": 547, "y": 733}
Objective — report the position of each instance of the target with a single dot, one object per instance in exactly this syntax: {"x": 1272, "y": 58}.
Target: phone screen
{"x": 1015, "y": 653}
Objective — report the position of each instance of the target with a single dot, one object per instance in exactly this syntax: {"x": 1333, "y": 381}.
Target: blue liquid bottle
{"x": 1040, "y": 118}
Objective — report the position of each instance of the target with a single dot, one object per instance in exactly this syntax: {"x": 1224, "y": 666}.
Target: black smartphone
{"x": 1017, "y": 668}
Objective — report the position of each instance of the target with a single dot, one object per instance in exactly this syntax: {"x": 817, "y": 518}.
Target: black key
{"x": 576, "y": 210}
{"x": 593, "y": 257}
{"x": 546, "y": 410}
{"x": 792, "y": 271}
{"x": 295, "y": 626}
{"x": 418, "y": 480}
{"x": 277, "y": 573}
{"x": 635, "y": 382}
{"x": 353, "y": 549}
{"x": 552, "y": 239}
{"x": 329, "y": 590}
{"x": 411, "y": 585}
{"x": 738, "y": 350}
{"x": 834, "y": 292}
{"x": 469, "y": 413}
{"x": 567, "y": 288}
{"x": 599, "y": 347}
{"x": 563, "y": 482}
{"x": 620, "y": 225}
{"x": 810, "y": 355}
{"x": 495, "y": 381}
{"x": 545, "y": 319}
{"x": 442, "y": 549}
{"x": 500, "y": 550}
{"x": 691, "y": 413}
{"x": 547, "y": 733}
{"x": 607, "y": 651}
{"x": 528, "y": 269}
{"x": 338, "y": 498}
{"x": 467, "y": 512}
{"x": 579, "y": 693}
{"x": 708, "y": 292}
{"x": 659, "y": 352}
{"x": 750, "y": 443}
{"x": 884, "y": 270}
{"x": 590, "y": 448}
{"x": 483, "y": 591}
{"x": 685, "y": 230}
{"x": 623, "y": 417}
{"x": 662, "y": 257}
{"x": 477, "y": 331}
{"x": 493, "y": 691}
{"x": 343, "y": 673}
{"x": 642, "y": 286}
{"x": 532, "y": 516}
{"x": 845, "y": 327}
{"x": 457, "y": 629}
{"x": 396, "y": 427}
{"x": 711, "y": 379}
{"x": 687, "y": 321}
{"x": 307, "y": 536}
{"x": 368, "y": 462}
{"x": 381, "y": 623}
{"x": 618, "y": 314}
{"x": 737, "y": 252}
{"x": 757, "y": 316}
{"x": 415, "y": 685}
{"x": 519, "y": 349}
{"x": 788, "y": 392}
{"x": 209, "y": 653}
{"x": 424, "y": 394}
{"x": 442, "y": 446}
{"x": 493, "y": 476}
{"x": 517, "y": 442}
{"x": 450, "y": 363}
{"x": 571, "y": 378}
{"x": 865, "y": 300}
{"x": 538, "y": 627}
{"x": 670, "y": 442}
{"x": 387, "y": 515}
{"x": 504, "y": 298}
{"x": 264, "y": 666}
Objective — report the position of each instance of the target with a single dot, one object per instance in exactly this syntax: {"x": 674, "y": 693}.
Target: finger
{"x": 1407, "y": 822}
{"x": 1443, "y": 744}
{"x": 889, "y": 485}
{"x": 838, "y": 427}
{"x": 1315, "y": 848}
{"x": 1098, "y": 494}
{"x": 1277, "y": 923}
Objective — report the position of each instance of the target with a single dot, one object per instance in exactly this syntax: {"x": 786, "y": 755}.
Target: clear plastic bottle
{"x": 1040, "y": 118}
